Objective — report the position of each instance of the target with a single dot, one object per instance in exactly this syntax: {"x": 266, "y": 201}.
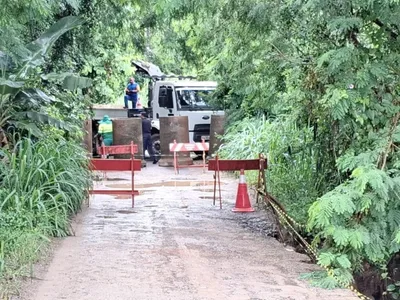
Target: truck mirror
{"x": 170, "y": 98}
{"x": 162, "y": 97}
{"x": 165, "y": 98}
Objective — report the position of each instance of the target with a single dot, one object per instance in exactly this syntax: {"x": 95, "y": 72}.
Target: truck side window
{"x": 183, "y": 101}
{"x": 193, "y": 99}
{"x": 163, "y": 91}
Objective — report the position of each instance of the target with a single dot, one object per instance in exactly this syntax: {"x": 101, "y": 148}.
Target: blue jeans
{"x": 132, "y": 98}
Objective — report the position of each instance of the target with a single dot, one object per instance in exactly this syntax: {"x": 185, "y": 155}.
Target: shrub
{"x": 292, "y": 175}
{"x": 43, "y": 184}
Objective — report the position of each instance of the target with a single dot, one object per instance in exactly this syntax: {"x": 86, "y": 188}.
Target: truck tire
{"x": 155, "y": 142}
{"x": 200, "y": 153}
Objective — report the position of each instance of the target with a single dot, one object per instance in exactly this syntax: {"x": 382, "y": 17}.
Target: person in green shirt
{"x": 106, "y": 130}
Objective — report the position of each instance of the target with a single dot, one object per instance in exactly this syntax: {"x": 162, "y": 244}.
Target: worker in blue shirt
{"x": 131, "y": 93}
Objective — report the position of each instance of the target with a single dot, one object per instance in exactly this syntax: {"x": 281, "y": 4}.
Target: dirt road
{"x": 173, "y": 245}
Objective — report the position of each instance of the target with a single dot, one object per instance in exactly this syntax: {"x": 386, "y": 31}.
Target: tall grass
{"x": 42, "y": 185}
{"x": 291, "y": 176}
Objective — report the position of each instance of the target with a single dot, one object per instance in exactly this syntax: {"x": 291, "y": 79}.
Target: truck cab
{"x": 171, "y": 95}
{"x": 185, "y": 98}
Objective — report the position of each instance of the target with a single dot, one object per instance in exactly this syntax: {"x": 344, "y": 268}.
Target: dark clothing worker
{"x": 147, "y": 143}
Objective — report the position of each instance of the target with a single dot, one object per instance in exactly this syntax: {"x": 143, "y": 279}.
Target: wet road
{"x": 174, "y": 245}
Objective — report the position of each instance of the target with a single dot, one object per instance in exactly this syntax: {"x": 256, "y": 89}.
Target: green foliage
{"x": 34, "y": 53}
{"x": 325, "y": 75}
{"x": 312, "y": 84}
{"x": 292, "y": 176}
{"x": 361, "y": 216}
{"x": 42, "y": 185}
{"x": 394, "y": 290}
{"x": 21, "y": 100}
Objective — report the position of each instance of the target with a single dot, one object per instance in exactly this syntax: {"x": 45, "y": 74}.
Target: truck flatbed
{"x": 112, "y": 110}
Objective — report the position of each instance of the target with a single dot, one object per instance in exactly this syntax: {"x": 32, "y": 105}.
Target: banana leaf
{"x": 28, "y": 126}
{"x": 74, "y": 82}
{"x": 37, "y": 49}
{"x": 44, "y": 119}
{"x": 33, "y": 97}
{"x": 69, "y": 81}
{"x": 5, "y": 61}
{"x": 9, "y": 87}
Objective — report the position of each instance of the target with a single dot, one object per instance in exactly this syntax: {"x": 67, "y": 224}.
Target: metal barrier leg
{"x": 219, "y": 185}
{"x": 258, "y": 182}
{"x": 215, "y": 185}
{"x": 176, "y": 163}
{"x": 204, "y": 161}
{"x": 104, "y": 156}
{"x": 263, "y": 178}
{"x": 133, "y": 184}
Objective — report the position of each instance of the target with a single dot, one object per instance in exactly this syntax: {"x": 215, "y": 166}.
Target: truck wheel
{"x": 200, "y": 154}
{"x": 155, "y": 141}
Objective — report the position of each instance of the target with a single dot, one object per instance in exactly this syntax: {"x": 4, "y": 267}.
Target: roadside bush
{"x": 42, "y": 185}
{"x": 292, "y": 175}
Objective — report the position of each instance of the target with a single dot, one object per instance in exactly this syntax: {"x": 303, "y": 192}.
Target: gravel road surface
{"x": 173, "y": 245}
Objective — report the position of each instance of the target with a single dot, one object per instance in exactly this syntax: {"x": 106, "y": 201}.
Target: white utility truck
{"x": 171, "y": 95}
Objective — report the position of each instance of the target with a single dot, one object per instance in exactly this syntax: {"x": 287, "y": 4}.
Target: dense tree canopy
{"x": 313, "y": 83}
{"x": 325, "y": 74}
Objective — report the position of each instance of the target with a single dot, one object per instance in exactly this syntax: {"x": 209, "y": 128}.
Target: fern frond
{"x": 343, "y": 261}
{"x": 341, "y": 236}
{"x": 359, "y": 237}
{"x": 375, "y": 250}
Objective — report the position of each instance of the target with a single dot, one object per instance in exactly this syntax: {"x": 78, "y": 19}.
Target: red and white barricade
{"x": 103, "y": 164}
{"x": 188, "y": 147}
{"x": 219, "y": 165}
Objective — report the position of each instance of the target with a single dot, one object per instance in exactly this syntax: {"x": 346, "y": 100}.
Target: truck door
{"x": 166, "y": 102}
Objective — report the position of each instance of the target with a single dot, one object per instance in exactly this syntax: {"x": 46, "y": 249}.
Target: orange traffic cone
{"x": 242, "y": 198}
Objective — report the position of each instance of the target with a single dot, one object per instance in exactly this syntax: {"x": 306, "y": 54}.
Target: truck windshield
{"x": 193, "y": 99}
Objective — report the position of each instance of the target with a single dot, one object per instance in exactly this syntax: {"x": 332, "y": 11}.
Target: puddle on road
{"x": 117, "y": 179}
{"x": 204, "y": 190}
{"x": 123, "y": 197}
{"x": 106, "y": 217}
{"x": 129, "y": 196}
{"x": 126, "y": 212}
{"x": 161, "y": 184}
{"x": 98, "y": 178}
